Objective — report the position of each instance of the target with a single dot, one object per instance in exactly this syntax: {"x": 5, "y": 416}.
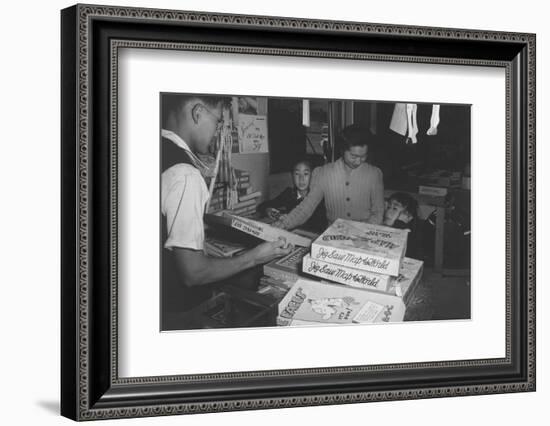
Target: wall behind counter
{"x": 258, "y": 165}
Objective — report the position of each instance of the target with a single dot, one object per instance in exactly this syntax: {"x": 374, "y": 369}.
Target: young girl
{"x": 291, "y": 197}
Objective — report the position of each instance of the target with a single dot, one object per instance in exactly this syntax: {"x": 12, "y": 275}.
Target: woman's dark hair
{"x": 407, "y": 201}
{"x": 351, "y": 136}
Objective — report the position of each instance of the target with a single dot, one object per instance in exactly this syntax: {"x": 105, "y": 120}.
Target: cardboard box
{"x": 319, "y": 302}
{"x": 345, "y": 275}
{"x": 257, "y": 229}
{"x": 433, "y": 191}
{"x": 363, "y": 246}
{"x": 221, "y": 248}
{"x": 402, "y": 286}
{"x": 288, "y": 267}
{"x": 266, "y": 232}
{"x": 409, "y": 278}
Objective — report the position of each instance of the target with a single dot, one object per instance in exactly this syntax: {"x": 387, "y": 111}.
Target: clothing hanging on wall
{"x": 404, "y": 121}
{"x": 412, "y": 124}
{"x": 434, "y": 121}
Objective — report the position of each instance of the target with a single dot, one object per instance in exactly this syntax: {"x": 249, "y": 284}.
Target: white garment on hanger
{"x": 412, "y": 123}
{"x": 434, "y": 121}
{"x": 305, "y": 113}
{"x": 398, "y": 121}
{"x": 404, "y": 120}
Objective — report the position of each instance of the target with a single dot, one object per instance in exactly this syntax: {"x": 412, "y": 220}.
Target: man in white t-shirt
{"x": 190, "y": 124}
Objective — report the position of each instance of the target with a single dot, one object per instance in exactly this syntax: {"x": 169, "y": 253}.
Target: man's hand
{"x": 268, "y": 251}
{"x": 273, "y": 213}
{"x": 279, "y": 223}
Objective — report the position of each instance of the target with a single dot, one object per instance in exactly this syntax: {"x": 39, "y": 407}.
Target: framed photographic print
{"x": 263, "y": 212}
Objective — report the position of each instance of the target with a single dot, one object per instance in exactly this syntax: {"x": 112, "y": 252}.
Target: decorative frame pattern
{"x": 107, "y": 396}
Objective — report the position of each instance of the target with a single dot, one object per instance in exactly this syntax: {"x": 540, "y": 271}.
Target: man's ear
{"x": 196, "y": 112}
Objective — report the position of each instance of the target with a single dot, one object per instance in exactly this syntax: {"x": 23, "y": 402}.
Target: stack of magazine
{"x": 245, "y": 201}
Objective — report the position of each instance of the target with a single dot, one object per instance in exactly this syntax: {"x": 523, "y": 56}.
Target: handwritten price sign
{"x": 253, "y": 134}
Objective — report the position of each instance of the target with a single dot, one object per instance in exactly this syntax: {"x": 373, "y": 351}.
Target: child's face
{"x": 396, "y": 211}
{"x": 301, "y": 177}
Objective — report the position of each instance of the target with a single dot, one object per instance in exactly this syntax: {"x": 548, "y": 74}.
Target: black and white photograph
{"x": 285, "y": 212}
{"x": 264, "y": 210}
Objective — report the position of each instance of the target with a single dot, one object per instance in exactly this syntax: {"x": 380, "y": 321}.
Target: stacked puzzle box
{"x": 369, "y": 258}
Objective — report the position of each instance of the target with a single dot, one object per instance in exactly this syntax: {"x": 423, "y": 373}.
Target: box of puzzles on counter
{"x": 365, "y": 277}
{"x": 371, "y": 248}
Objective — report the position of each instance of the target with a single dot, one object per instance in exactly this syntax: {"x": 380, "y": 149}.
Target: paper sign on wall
{"x": 253, "y": 134}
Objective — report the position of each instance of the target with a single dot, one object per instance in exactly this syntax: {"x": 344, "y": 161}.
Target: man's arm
{"x": 276, "y": 203}
{"x": 377, "y": 199}
{"x": 183, "y": 199}
{"x": 303, "y": 211}
{"x": 196, "y": 268}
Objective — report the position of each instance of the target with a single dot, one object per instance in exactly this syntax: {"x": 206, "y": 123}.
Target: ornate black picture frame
{"x": 91, "y": 387}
